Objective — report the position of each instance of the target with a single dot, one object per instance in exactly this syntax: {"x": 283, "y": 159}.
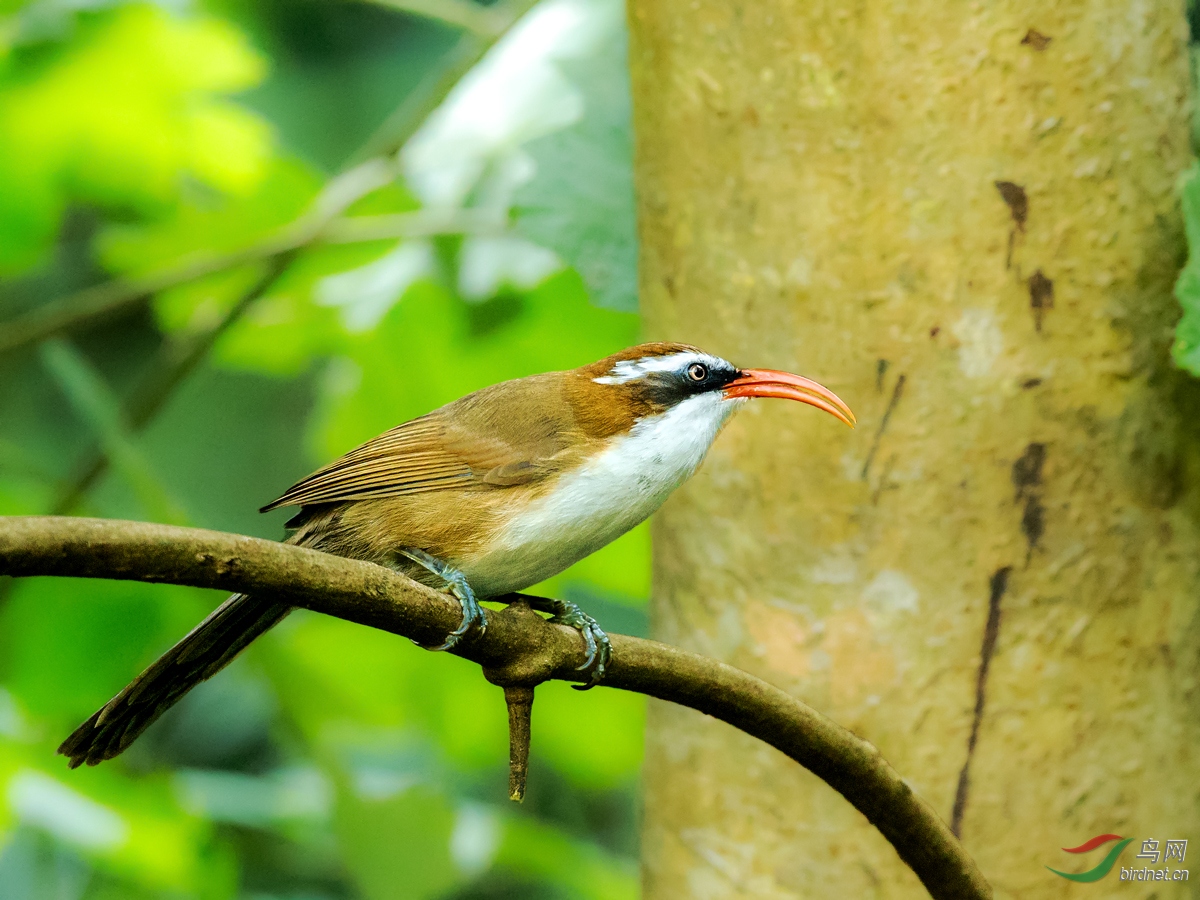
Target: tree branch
{"x": 519, "y": 648}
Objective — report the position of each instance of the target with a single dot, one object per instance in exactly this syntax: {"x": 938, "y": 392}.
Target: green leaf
{"x": 25, "y": 480}
{"x": 121, "y": 117}
{"x": 130, "y": 827}
{"x": 286, "y": 329}
{"x": 1186, "y": 350}
{"x": 580, "y": 204}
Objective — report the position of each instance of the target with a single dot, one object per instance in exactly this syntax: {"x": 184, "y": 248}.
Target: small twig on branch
{"x": 417, "y": 224}
{"x": 519, "y": 700}
{"x": 518, "y": 649}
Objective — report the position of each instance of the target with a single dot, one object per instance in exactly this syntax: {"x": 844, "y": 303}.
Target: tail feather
{"x": 207, "y": 649}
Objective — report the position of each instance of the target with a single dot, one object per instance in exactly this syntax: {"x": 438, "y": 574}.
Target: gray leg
{"x": 599, "y": 648}
{"x": 473, "y": 618}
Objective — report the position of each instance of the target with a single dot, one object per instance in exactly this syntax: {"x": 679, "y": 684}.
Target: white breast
{"x": 603, "y": 498}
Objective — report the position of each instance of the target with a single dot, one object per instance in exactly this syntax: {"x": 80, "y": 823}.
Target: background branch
{"x": 519, "y": 648}
{"x": 96, "y": 303}
{"x": 177, "y": 358}
{"x": 487, "y": 21}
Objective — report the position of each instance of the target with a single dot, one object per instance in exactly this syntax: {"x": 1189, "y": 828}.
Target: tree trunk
{"x": 961, "y": 218}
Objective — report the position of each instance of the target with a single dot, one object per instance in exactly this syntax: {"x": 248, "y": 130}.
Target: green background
{"x": 329, "y": 761}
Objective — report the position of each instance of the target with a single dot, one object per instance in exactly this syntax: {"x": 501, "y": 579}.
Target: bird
{"x": 483, "y": 497}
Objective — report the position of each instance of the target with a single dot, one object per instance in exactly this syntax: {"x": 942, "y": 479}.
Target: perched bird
{"x": 485, "y": 496}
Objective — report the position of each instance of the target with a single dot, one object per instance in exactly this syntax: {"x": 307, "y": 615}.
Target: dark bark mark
{"x": 933, "y": 332}
{"x": 1030, "y": 383}
{"x": 1027, "y": 471}
{"x": 884, "y": 474}
{"x": 1018, "y": 206}
{"x": 1041, "y": 296}
{"x": 883, "y": 423}
{"x": 1035, "y": 39}
{"x": 1018, "y": 202}
{"x": 881, "y": 368}
{"x": 997, "y": 587}
{"x": 1027, "y": 480}
{"x": 1033, "y": 524}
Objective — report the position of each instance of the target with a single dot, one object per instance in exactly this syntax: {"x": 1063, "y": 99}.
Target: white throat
{"x": 604, "y": 497}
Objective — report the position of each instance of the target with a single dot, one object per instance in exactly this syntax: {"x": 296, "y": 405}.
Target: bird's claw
{"x": 474, "y": 618}
{"x": 599, "y": 648}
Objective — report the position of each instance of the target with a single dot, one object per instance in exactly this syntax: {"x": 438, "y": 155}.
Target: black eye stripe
{"x": 677, "y": 385}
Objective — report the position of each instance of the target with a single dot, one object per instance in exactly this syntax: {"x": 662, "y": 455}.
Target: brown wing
{"x": 486, "y": 440}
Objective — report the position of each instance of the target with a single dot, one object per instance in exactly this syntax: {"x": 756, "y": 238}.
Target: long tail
{"x": 207, "y": 649}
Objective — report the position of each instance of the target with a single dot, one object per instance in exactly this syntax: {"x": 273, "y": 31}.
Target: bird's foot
{"x": 473, "y": 619}
{"x": 599, "y": 648}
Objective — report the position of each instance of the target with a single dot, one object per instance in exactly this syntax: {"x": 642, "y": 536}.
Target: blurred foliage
{"x": 1187, "y": 289}
{"x": 122, "y": 116}
{"x": 590, "y": 221}
{"x": 1186, "y": 349}
{"x": 329, "y": 761}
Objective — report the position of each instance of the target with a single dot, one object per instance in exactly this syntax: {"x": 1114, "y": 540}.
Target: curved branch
{"x": 519, "y": 648}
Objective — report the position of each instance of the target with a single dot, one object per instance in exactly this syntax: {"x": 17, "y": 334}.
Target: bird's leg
{"x": 599, "y": 648}
{"x": 473, "y": 614}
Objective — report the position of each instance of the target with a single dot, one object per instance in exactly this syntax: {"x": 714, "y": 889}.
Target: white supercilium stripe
{"x": 631, "y": 369}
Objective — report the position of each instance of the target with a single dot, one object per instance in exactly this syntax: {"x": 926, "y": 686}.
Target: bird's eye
{"x": 697, "y": 371}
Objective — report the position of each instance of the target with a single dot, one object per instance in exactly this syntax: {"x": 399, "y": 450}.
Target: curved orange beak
{"x": 786, "y": 386}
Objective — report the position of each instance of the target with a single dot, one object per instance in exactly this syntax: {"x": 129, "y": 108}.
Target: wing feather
{"x": 409, "y": 458}
{"x": 468, "y": 444}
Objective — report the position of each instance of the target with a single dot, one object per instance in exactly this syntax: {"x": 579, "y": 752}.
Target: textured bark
{"x": 961, "y": 218}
